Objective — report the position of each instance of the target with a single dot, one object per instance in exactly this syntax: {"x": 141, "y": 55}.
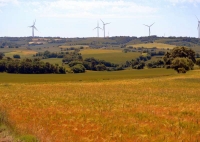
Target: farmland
{"x": 134, "y": 109}
{"x": 154, "y": 104}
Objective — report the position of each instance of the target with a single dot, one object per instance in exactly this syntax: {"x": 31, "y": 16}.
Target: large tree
{"x": 180, "y": 59}
{"x": 198, "y": 62}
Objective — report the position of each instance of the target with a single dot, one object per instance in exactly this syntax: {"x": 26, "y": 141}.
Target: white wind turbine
{"x": 104, "y": 25}
{"x": 33, "y": 28}
{"x": 198, "y": 28}
{"x": 97, "y": 29}
{"x": 149, "y": 28}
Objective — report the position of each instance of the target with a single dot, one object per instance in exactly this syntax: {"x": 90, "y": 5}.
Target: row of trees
{"x": 80, "y": 66}
{"x": 48, "y": 54}
{"x": 29, "y": 66}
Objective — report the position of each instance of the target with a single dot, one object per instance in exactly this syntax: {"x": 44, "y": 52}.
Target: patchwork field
{"x": 164, "y": 108}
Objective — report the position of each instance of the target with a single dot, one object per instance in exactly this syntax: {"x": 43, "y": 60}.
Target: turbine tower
{"x": 198, "y": 28}
{"x": 97, "y": 29}
{"x": 149, "y": 28}
{"x": 104, "y": 27}
{"x": 33, "y": 28}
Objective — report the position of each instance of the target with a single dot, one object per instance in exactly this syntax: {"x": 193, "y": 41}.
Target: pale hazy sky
{"x": 78, "y": 18}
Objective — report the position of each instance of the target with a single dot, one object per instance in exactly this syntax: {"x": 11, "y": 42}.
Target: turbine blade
{"x": 146, "y": 25}
{"x": 102, "y": 21}
{"x": 197, "y": 17}
{"x": 95, "y": 28}
{"x": 151, "y": 24}
{"x": 35, "y": 28}
{"x": 106, "y": 23}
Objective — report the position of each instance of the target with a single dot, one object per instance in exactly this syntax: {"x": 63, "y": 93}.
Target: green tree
{"x": 180, "y": 59}
{"x": 181, "y": 65}
{"x": 78, "y": 68}
{"x": 198, "y": 62}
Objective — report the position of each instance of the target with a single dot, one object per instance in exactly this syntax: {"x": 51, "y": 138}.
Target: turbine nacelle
{"x": 33, "y": 28}
{"x": 97, "y": 29}
{"x": 149, "y": 27}
{"x": 104, "y": 24}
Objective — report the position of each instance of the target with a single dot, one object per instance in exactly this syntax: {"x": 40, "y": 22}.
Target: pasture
{"x": 145, "y": 108}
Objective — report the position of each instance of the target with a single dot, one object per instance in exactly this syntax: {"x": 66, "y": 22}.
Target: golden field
{"x": 151, "y": 45}
{"x": 161, "y": 109}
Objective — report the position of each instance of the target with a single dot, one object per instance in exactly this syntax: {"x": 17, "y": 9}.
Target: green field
{"x": 88, "y": 76}
{"x": 114, "y": 56}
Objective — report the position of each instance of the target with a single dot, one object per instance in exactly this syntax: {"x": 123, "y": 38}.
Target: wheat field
{"x": 126, "y": 110}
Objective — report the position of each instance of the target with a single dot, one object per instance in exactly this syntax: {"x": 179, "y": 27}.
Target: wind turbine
{"x": 97, "y": 29}
{"x": 33, "y": 28}
{"x": 149, "y": 28}
{"x": 198, "y": 28}
{"x": 104, "y": 27}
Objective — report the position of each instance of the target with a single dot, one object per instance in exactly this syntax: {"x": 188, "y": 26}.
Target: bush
{"x": 138, "y": 65}
{"x": 73, "y": 63}
{"x": 100, "y": 67}
{"x": 78, "y": 68}
{"x": 16, "y": 56}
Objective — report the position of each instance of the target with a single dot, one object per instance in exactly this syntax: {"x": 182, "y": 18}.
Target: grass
{"x": 89, "y": 76}
{"x": 150, "y": 45}
{"x": 114, "y": 56}
{"x": 53, "y": 60}
{"x": 161, "y": 108}
{"x": 22, "y": 53}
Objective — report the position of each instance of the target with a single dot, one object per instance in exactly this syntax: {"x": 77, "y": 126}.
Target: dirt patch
{"x": 5, "y": 136}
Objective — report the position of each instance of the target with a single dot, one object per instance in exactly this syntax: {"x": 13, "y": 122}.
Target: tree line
{"x": 29, "y": 66}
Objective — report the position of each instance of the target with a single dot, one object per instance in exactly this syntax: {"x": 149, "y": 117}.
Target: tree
{"x": 78, "y": 68}
{"x": 198, "y": 62}
{"x": 138, "y": 65}
{"x": 180, "y": 59}
{"x": 1, "y": 55}
{"x": 181, "y": 65}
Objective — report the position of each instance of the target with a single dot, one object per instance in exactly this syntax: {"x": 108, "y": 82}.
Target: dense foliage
{"x": 155, "y": 64}
{"x": 78, "y": 68}
{"x": 198, "y": 62}
{"x": 16, "y": 56}
{"x": 180, "y": 59}
{"x": 48, "y": 54}
{"x": 72, "y": 56}
{"x": 1, "y": 55}
{"x": 29, "y": 66}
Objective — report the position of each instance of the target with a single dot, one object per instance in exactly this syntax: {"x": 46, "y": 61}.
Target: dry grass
{"x": 22, "y": 53}
{"x": 155, "y": 109}
{"x": 158, "y": 45}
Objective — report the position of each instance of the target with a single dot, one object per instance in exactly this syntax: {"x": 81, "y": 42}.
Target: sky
{"x": 78, "y": 18}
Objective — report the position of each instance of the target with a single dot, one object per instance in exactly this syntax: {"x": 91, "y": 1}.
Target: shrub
{"x": 73, "y": 63}
{"x": 78, "y": 68}
{"x": 16, "y": 56}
